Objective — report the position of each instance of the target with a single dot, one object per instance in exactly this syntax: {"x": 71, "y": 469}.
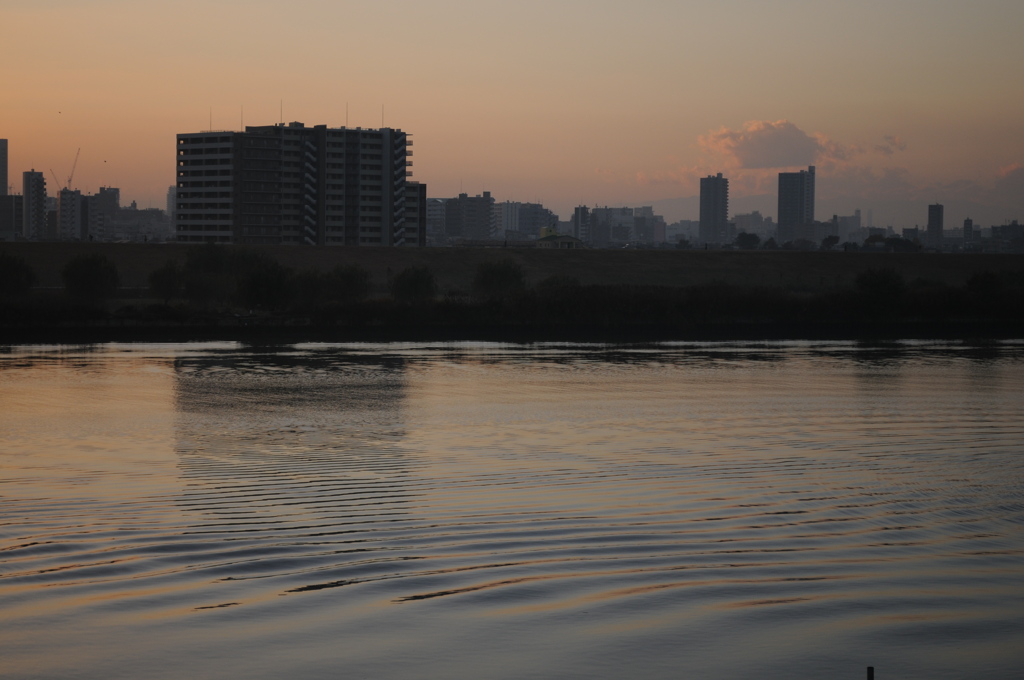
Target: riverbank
{"x": 170, "y": 293}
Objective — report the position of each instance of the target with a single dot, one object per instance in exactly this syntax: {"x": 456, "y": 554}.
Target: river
{"x": 486, "y": 510}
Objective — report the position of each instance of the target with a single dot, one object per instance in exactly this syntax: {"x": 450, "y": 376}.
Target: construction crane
{"x": 71, "y": 175}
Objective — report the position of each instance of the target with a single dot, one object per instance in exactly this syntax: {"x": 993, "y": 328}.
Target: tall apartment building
{"x": 292, "y": 184}
{"x": 796, "y": 205}
{"x": 935, "y": 225}
{"x": 72, "y": 217}
{"x": 33, "y": 206}
{"x": 714, "y": 209}
{"x": 469, "y": 217}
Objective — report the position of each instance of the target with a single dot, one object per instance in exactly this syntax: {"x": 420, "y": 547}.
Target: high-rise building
{"x": 10, "y": 217}
{"x": 3, "y": 167}
{"x": 935, "y": 223}
{"x": 413, "y": 231}
{"x": 714, "y": 209}
{"x": 968, "y": 230}
{"x": 71, "y": 215}
{"x": 796, "y": 204}
{"x": 33, "y": 208}
{"x": 581, "y": 223}
{"x": 513, "y": 219}
{"x": 292, "y": 184}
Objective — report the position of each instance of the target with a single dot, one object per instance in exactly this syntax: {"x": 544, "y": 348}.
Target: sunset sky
{"x": 564, "y": 101}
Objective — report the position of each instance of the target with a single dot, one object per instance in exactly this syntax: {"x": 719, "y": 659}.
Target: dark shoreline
{"x": 970, "y": 332}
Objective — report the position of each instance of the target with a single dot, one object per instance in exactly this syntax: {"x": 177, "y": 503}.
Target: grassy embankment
{"x": 231, "y": 292}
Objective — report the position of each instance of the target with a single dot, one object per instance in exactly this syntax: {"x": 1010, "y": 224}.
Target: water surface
{"x": 499, "y": 511}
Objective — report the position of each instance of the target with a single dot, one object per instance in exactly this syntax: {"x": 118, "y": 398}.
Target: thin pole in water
{"x": 871, "y": 673}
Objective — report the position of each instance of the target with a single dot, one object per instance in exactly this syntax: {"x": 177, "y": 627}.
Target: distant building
{"x": 648, "y": 228}
{"x": 754, "y": 223}
{"x": 968, "y": 230}
{"x": 71, "y": 215}
{"x": 581, "y": 223}
{"x": 11, "y": 217}
{"x": 525, "y": 219}
{"x": 292, "y": 184}
{"x": 436, "y": 208}
{"x": 687, "y": 230}
{"x": 611, "y": 226}
{"x": 172, "y": 201}
{"x": 34, "y": 226}
{"x": 796, "y": 205}
{"x": 714, "y": 209}
{"x": 3, "y": 168}
{"x": 413, "y": 231}
{"x": 935, "y": 223}
{"x": 847, "y": 226}
{"x": 470, "y": 217}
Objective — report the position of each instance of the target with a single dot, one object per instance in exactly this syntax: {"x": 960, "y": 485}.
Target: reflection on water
{"x": 776, "y": 511}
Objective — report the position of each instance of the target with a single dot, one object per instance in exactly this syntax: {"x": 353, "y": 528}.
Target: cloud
{"x": 891, "y": 146}
{"x": 1009, "y": 188}
{"x": 761, "y": 144}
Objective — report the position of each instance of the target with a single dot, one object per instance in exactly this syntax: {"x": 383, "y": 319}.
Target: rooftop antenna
{"x": 382, "y": 115}
{"x": 282, "y": 112}
{"x": 346, "y": 114}
{"x": 241, "y": 119}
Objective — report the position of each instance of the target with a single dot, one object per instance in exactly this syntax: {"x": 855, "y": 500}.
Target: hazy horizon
{"x": 567, "y": 103}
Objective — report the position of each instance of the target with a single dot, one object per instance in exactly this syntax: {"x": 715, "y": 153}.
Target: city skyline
{"x": 566, "y": 104}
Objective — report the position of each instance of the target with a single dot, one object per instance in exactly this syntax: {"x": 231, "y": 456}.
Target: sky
{"x": 899, "y": 103}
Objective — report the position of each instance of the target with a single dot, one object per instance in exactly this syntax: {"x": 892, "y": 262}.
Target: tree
{"x": 880, "y": 284}
{"x": 348, "y": 283}
{"x": 901, "y": 245}
{"x": 16, "y": 276}
{"x": 90, "y": 277}
{"x": 263, "y": 283}
{"x": 413, "y": 284}
{"x": 167, "y": 282}
{"x": 745, "y": 241}
{"x": 829, "y": 242}
{"x": 498, "y": 280}
{"x": 770, "y": 244}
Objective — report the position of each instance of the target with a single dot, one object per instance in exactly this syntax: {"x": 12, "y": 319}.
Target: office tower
{"x": 33, "y": 206}
{"x": 935, "y": 220}
{"x": 3, "y": 167}
{"x": 968, "y": 230}
{"x": 714, "y": 208}
{"x": 796, "y": 204}
{"x": 292, "y": 184}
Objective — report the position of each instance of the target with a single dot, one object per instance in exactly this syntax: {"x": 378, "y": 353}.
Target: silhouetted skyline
{"x": 564, "y": 104}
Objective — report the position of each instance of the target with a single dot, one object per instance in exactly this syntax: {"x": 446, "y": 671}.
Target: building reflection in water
{"x": 277, "y": 434}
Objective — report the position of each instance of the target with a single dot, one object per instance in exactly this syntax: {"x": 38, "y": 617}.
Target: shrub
{"x": 16, "y": 276}
{"x": 880, "y": 284}
{"x": 167, "y": 282}
{"x": 498, "y": 280}
{"x": 261, "y": 282}
{"x": 413, "y": 284}
{"x": 349, "y": 283}
{"x": 90, "y": 277}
